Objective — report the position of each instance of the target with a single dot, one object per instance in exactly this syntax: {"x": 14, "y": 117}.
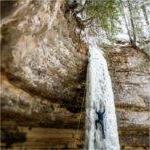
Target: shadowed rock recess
{"x": 43, "y": 71}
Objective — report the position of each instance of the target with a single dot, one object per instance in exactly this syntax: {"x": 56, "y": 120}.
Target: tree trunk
{"x": 145, "y": 14}
{"x": 132, "y": 22}
{"x": 125, "y": 20}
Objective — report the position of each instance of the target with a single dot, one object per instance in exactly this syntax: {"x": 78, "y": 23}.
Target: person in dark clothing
{"x": 100, "y": 120}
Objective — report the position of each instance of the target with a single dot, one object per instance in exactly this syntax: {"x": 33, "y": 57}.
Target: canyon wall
{"x": 43, "y": 73}
{"x": 130, "y": 74}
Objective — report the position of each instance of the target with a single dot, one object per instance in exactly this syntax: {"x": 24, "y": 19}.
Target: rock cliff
{"x": 43, "y": 71}
{"x": 130, "y": 74}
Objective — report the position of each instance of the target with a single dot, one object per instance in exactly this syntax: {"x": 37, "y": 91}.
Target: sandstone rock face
{"x": 31, "y": 110}
{"x": 39, "y": 51}
{"x": 43, "y": 70}
{"x": 43, "y": 65}
{"x": 130, "y": 73}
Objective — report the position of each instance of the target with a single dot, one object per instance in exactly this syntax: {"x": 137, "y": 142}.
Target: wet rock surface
{"x": 47, "y": 138}
{"x": 11, "y": 134}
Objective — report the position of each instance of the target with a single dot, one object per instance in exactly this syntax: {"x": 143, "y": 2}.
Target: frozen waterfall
{"x": 99, "y": 96}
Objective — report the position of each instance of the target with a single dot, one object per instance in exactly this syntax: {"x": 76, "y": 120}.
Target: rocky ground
{"x": 43, "y": 70}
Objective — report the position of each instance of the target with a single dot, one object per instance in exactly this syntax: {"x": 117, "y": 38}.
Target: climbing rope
{"x": 78, "y": 126}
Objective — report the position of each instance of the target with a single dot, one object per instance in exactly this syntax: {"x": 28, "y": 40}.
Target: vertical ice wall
{"x": 99, "y": 96}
